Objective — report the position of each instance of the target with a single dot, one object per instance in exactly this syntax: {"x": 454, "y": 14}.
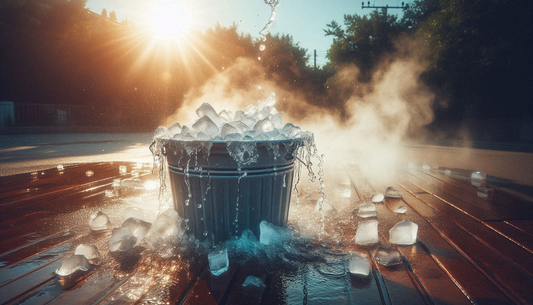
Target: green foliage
{"x": 364, "y": 40}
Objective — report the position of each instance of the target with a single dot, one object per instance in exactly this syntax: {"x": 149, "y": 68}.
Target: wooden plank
{"x": 457, "y": 203}
{"x": 504, "y": 208}
{"x": 523, "y": 225}
{"x": 424, "y": 280}
{"x": 519, "y": 237}
{"x": 464, "y": 234}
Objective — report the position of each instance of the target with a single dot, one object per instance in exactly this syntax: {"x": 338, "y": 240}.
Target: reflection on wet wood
{"x": 469, "y": 250}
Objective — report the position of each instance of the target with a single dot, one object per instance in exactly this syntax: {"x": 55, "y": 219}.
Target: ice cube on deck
{"x": 99, "y": 221}
{"x": 89, "y": 251}
{"x": 387, "y": 256}
{"x": 478, "y": 176}
{"x": 367, "y": 210}
{"x": 218, "y": 261}
{"x": 426, "y": 167}
{"x": 447, "y": 172}
{"x": 403, "y": 233}
{"x": 367, "y": 232}
{"x": 270, "y": 234}
{"x": 139, "y": 228}
{"x": 72, "y": 264}
{"x": 122, "y": 240}
{"x": 400, "y": 209}
{"x": 265, "y": 125}
{"x": 253, "y": 283}
{"x": 122, "y": 169}
{"x": 358, "y": 263}
{"x": 174, "y": 129}
{"x": 378, "y": 198}
{"x": 165, "y": 231}
{"x": 391, "y": 192}
{"x": 206, "y": 125}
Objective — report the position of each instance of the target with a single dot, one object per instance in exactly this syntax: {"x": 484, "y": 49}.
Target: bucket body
{"x": 217, "y": 200}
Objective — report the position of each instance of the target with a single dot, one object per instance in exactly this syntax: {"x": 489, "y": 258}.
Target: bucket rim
{"x": 300, "y": 140}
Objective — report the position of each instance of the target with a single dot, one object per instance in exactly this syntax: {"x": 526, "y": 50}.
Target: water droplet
{"x": 199, "y": 206}
{"x": 259, "y": 87}
{"x": 262, "y": 47}
{"x": 259, "y": 58}
{"x": 205, "y": 233}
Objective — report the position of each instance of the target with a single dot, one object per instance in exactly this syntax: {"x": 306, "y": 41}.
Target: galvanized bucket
{"x": 217, "y": 200}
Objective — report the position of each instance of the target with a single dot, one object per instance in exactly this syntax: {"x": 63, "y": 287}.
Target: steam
{"x": 381, "y": 115}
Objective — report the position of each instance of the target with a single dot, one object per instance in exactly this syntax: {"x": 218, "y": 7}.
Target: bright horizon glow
{"x": 168, "y": 21}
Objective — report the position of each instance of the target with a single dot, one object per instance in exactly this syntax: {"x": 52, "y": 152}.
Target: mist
{"x": 378, "y": 116}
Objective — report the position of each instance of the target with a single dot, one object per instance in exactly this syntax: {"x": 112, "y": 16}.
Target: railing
{"x": 12, "y": 114}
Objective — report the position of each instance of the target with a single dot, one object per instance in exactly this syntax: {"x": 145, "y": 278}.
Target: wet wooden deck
{"x": 469, "y": 250}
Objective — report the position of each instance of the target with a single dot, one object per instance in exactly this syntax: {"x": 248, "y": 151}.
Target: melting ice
{"x": 403, "y": 233}
{"x": 72, "y": 264}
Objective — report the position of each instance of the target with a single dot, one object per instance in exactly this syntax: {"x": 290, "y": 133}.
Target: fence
{"x": 12, "y": 114}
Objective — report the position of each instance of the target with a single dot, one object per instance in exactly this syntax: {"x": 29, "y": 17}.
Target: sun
{"x": 168, "y": 20}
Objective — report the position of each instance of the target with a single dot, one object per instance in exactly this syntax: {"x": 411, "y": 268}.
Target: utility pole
{"x": 315, "y": 59}
{"x": 385, "y": 8}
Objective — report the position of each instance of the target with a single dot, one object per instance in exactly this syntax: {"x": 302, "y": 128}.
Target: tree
{"x": 363, "y": 41}
{"x": 113, "y": 16}
{"x": 104, "y": 13}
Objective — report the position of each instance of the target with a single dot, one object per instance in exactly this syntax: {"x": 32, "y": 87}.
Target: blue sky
{"x": 303, "y": 19}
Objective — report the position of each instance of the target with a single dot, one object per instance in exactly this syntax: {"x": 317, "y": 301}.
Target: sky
{"x": 304, "y": 20}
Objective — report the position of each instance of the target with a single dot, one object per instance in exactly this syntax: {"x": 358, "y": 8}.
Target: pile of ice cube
{"x": 253, "y": 123}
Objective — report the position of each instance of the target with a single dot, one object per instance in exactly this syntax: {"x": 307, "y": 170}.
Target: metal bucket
{"x": 224, "y": 201}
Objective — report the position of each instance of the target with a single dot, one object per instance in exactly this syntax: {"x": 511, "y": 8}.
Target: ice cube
{"x": 174, "y": 129}
{"x": 270, "y": 234}
{"x": 254, "y": 283}
{"x": 485, "y": 193}
{"x": 139, "y": 228}
{"x": 165, "y": 232}
{"x": 225, "y": 116}
{"x": 228, "y": 129}
{"x": 387, "y": 256}
{"x": 207, "y": 110}
{"x": 269, "y": 102}
{"x": 233, "y": 137}
{"x": 72, "y": 264}
{"x": 276, "y": 120}
{"x": 447, "y": 172}
{"x": 122, "y": 240}
{"x": 239, "y": 115}
{"x": 202, "y": 136}
{"x": 240, "y": 126}
{"x": 403, "y": 233}
{"x": 367, "y": 210}
{"x": 218, "y": 261}
{"x": 265, "y": 125}
{"x": 290, "y": 131}
{"x": 391, "y": 192}
{"x": 426, "y": 167}
{"x": 478, "y": 176}
{"x": 133, "y": 212}
{"x": 89, "y": 251}
{"x": 400, "y": 210}
{"x": 250, "y": 110}
{"x": 89, "y": 173}
{"x": 249, "y": 122}
{"x": 99, "y": 221}
{"x": 207, "y": 126}
{"x": 272, "y": 134}
{"x": 358, "y": 263}
{"x": 367, "y": 232}
{"x": 122, "y": 169}
{"x": 378, "y": 198}
{"x": 60, "y": 167}
{"x": 186, "y": 131}
{"x": 162, "y": 133}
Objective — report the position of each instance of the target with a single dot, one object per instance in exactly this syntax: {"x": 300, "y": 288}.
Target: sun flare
{"x": 168, "y": 20}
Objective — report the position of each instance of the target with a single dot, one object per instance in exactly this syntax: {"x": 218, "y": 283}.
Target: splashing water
{"x": 273, "y": 4}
